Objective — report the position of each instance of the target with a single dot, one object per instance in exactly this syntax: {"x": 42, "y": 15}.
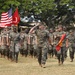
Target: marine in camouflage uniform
{"x": 30, "y": 44}
{"x": 23, "y": 42}
{"x": 42, "y": 43}
{"x": 22, "y": 36}
{"x": 4, "y": 43}
{"x": 71, "y": 44}
{"x": 42, "y": 40}
{"x": 14, "y": 45}
{"x": 7, "y": 32}
{"x": 34, "y": 43}
{"x": 55, "y": 41}
{"x": 26, "y": 44}
{"x": 51, "y": 49}
{"x": 0, "y": 42}
{"x": 61, "y": 53}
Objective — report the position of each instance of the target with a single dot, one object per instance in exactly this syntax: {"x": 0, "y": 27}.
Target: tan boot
{"x": 59, "y": 63}
{"x": 71, "y": 60}
{"x": 40, "y": 65}
{"x": 43, "y": 65}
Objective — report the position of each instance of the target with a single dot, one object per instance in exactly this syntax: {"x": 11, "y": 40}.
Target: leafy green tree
{"x": 6, "y": 4}
{"x": 50, "y": 11}
{"x": 43, "y": 8}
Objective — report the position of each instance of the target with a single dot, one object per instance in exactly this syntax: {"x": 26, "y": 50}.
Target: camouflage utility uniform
{"x": 42, "y": 39}
{"x": 71, "y": 45}
{"x": 61, "y": 53}
{"x": 14, "y": 46}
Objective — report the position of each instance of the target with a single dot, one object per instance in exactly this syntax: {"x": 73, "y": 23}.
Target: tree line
{"x": 52, "y": 12}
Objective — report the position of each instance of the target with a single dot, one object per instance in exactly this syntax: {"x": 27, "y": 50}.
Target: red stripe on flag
{"x": 6, "y": 18}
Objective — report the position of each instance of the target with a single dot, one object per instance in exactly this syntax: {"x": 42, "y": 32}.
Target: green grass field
{"x": 29, "y": 66}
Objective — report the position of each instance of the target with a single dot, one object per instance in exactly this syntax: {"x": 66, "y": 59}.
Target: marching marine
{"x": 70, "y": 43}
{"x": 14, "y": 44}
{"x": 42, "y": 43}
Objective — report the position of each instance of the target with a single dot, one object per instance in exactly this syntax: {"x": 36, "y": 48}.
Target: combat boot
{"x": 59, "y": 63}
{"x": 40, "y": 65}
{"x": 71, "y": 60}
{"x": 43, "y": 65}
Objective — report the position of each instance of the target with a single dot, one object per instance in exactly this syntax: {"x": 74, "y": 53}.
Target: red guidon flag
{"x": 16, "y": 17}
{"x": 58, "y": 47}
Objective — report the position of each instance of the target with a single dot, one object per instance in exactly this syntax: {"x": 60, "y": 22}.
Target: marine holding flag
{"x": 61, "y": 45}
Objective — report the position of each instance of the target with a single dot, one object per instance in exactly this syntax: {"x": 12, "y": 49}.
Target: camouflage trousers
{"x": 61, "y": 54}
{"x": 42, "y": 54}
{"x": 4, "y": 50}
{"x": 24, "y": 49}
{"x": 30, "y": 49}
{"x": 23, "y": 52}
{"x": 71, "y": 52}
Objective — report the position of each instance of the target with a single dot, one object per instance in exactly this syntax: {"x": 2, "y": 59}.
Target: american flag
{"x": 6, "y": 18}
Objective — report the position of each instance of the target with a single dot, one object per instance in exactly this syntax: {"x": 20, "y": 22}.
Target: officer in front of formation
{"x": 70, "y": 43}
{"x": 42, "y": 43}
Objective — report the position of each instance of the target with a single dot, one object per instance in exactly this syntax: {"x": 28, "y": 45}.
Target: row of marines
{"x": 38, "y": 42}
